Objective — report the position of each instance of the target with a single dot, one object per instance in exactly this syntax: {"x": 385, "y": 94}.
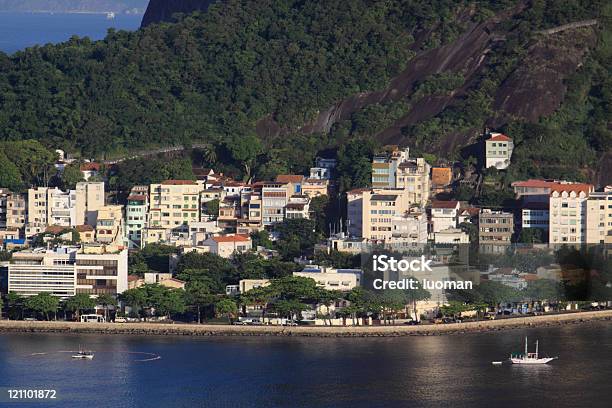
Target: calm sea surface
{"x": 21, "y": 30}
{"x": 444, "y": 371}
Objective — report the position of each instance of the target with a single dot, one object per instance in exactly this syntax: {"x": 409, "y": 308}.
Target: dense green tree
{"x": 198, "y": 295}
{"x": 226, "y": 307}
{"x": 15, "y": 304}
{"x": 43, "y": 303}
{"x": 10, "y": 177}
{"x": 297, "y": 237}
{"x": 70, "y": 177}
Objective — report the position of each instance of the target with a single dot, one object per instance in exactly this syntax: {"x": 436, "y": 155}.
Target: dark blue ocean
{"x": 21, "y": 30}
{"x": 432, "y": 371}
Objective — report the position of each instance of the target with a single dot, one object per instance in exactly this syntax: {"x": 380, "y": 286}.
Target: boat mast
{"x": 526, "y": 346}
{"x": 537, "y": 341}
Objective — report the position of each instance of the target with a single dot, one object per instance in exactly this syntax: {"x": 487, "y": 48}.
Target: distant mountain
{"x": 117, "y": 6}
{"x": 162, "y": 10}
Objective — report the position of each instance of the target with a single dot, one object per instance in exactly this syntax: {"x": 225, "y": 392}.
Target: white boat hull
{"x": 531, "y": 361}
{"x": 88, "y": 357}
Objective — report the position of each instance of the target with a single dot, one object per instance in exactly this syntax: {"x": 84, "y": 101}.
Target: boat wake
{"x": 145, "y": 355}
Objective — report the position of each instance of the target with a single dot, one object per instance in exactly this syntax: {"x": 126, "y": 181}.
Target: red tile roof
{"x": 84, "y": 228}
{"x": 444, "y": 204}
{"x": 500, "y": 138}
{"x": 231, "y": 238}
{"x": 57, "y": 229}
{"x": 137, "y": 197}
{"x": 577, "y": 188}
{"x": 535, "y": 183}
{"x": 289, "y": 178}
{"x": 179, "y": 182}
{"x": 90, "y": 166}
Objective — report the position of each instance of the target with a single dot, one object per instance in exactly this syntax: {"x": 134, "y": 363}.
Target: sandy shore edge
{"x": 7, "y": 326}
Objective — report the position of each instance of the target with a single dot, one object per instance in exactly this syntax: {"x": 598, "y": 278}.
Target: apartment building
{"x": 410, "y": 227}
{"x": 136, "y": 212}
{"x": 599, "y": 217}
{"x": 498, "y": 151}
{"x": 444, "y": 215}
{"x": 16, "y": 210}
{"x": 52, "y": 206}
{"x": 384, "y": 166}
{"x": 298, "y": 206}
{"x": 412, "y": 175}
{"x": 66, "y": 271}
{"x": 568, "y": 204}
{"x": 495, "y": 230}
{"x": 354, "y": 211}
{"x": 173, "y": 203}
{"x": 109, "y": 225}
{"x": 90, "y": 197}
{"x": 379, "y": 207}
{"x": 275, "y": 196}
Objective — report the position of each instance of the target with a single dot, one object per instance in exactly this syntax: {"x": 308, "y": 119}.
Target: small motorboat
{"x": 497, "y": 362}
{"x": 84, "y": 354}
{"x": 530, "y": 358}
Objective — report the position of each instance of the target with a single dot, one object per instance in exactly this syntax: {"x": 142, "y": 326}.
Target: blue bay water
{"x": 21, "y": 30}
{"x": 432, "y": 371}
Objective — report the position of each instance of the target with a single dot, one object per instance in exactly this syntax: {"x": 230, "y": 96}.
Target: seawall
{"x": 301, "y": 331}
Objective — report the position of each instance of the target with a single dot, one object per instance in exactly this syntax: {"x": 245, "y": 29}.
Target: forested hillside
{"x": 272, "y": 82}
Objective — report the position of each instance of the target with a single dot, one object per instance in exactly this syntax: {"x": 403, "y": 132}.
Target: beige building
{"x": 315, "y": 187}
{"x": 13, "y": 210}
{"x": 52, "y": 206}
{"x": 599, "y": 217}
{"x": 412, "y": 175}
{"x": 498, "y": 151}
{"x": 173, "y": 203}
{"x": 395, "y": 169}
{"x": 451, "y": 236}
{"x": 89, "y": 199}
{"x": 410, "y": 227}
{"x": 331, "y": 278}
{"x": 568, "y": 212}
{"x": 247, "y": 284}
{"x": 109, "y": 225}
{"x": 227, "y": 245}
{"x": 379, "y": 207}
{"x": 495, "y": 230}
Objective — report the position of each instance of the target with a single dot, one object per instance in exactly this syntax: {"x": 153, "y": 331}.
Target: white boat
{"x": 530, "y": 358}
{"x": 110, "y": 15}
{"x": 84, "y": 354}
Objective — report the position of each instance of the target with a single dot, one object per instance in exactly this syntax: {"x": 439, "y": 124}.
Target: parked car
{"x": 412, "y": 322}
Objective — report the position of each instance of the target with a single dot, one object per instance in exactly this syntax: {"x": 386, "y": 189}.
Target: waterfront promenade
{"x": 7, "y": 326}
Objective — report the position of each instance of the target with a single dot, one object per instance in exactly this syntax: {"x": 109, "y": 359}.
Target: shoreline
{"x": 161, "y": 329}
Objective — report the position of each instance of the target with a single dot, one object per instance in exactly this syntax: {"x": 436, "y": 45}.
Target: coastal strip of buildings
{"x": 407, "y": 206}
